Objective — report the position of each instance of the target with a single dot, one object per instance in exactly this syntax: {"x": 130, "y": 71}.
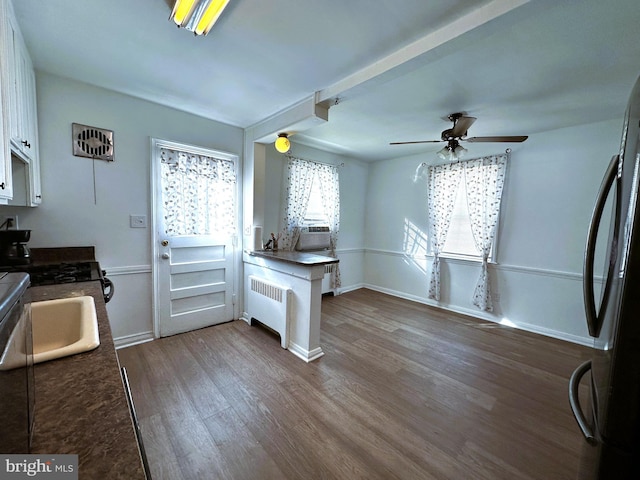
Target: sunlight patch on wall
{"x": 415, "y": 245}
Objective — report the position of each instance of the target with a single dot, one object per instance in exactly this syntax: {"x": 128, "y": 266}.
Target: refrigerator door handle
{"x": 574, "y": 401}
{"x": 593, "y": 322}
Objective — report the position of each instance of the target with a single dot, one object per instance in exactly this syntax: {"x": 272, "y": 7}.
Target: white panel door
{"x": 195, "y": 283}
{"x": 194, "y": 273}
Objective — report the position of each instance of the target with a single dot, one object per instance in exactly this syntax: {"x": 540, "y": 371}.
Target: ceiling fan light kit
{"x": 458, "y": 133}
{"x": 197, "y": 16}
{"x": 452, "y": 151}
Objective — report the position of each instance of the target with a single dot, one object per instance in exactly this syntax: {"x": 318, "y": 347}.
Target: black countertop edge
{"x": 299, "y": 258}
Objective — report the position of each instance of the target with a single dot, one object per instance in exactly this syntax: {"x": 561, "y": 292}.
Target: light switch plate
{"x": 138, "y": 221}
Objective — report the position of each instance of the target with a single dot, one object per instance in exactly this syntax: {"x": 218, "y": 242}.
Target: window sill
{"x": 464, "y": 258}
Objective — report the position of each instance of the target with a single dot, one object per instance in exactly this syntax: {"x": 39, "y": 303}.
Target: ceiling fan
{"x": 461, "y": 123}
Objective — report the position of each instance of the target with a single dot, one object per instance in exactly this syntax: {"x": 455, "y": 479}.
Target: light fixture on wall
{"x": 452, "y": 151}
{"x": 197, "y": 16}
{"x": 282, "y": 143}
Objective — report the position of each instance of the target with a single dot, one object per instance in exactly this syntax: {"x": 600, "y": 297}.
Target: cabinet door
{"x": 23, "y": 138}
{"x": 22, "y": 116}
{"x": 14, "y": 74}
{"x": 22, "y": 130}
{"x": 6, "y": 183}
{"x": 35, "y": 193}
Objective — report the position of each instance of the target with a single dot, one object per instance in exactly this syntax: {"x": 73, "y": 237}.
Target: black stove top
{"x": 55, "y": 273}
{"x": 64, "y": 265}
{"x": 51, "y": 274}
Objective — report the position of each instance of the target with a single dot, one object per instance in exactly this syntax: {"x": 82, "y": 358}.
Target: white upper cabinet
{"x": 21, "y": 128}
{"x": 6, "y": 182}
{"x": 20, "y": 112}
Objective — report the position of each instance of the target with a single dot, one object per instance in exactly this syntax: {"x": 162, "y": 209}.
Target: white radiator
{"x": 326, "y": 280}
{"x": 270, "y": 304}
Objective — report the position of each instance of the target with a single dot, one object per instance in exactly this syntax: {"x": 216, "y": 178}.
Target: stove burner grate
{"x": 64, "y": 273}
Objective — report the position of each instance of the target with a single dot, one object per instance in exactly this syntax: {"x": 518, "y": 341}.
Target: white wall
{"x": 353, "y": 184}
{"x": 549, "y": 194}
{"x": 69, "y": 216}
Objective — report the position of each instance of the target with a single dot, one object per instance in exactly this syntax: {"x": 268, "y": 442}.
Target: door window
{"x": 198, "y": 194}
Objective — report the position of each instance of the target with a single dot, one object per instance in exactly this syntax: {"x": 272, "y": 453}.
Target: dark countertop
{"x": 81, "y": 407}
{"x": 299, "y": 258}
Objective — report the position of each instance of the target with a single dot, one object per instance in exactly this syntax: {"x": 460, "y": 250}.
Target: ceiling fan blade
{"x": 513, "y": 138}
{"x": 461, "y": 126}
{"x": 417, "y": 141}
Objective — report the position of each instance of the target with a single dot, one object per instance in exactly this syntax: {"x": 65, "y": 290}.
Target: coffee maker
{"x": 13, "y": 247}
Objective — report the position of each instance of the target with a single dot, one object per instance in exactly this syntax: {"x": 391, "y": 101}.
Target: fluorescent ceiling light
{"x": 197, "y": 16}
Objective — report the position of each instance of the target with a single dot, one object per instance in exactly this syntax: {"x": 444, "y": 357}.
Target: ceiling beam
{"x": 414, "y": 55}
{"x": 298, "y": 117}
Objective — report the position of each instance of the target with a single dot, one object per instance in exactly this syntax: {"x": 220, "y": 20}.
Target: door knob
{"x": 165, "y": 256}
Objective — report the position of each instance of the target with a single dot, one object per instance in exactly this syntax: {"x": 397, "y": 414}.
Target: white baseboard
{"x": 135, "y": 339}
{"x": 306, "y": 355}
{"x": 547, "y": 332}
{"x": 350, "y": 288}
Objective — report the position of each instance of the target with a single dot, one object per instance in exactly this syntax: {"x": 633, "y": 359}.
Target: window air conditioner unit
{"x": 314, "y": 238}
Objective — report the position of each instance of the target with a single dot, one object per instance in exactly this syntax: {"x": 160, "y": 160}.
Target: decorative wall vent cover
{"x": 92, "y": 142}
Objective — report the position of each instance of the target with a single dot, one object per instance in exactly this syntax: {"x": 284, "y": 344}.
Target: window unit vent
{"x": 314, "y": 238}
{"x": 92, "y": 142}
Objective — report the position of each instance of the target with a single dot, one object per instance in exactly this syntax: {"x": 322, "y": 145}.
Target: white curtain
{"x": 330, "y": 188}
{"x": 198, "y": 193}
{"x": 484, "y": 179}
{"x": 300, "y": 177}
{"x": 442, "y": 187}
{"x": 299, "y": 180}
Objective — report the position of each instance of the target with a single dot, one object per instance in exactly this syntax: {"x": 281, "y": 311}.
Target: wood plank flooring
{"x": 404, "y": 391}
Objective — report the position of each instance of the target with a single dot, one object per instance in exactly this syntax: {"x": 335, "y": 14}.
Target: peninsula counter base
{"x": 301, "y": 274}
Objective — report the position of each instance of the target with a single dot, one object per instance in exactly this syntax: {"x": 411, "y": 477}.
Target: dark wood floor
{"x": 404, "y": 391}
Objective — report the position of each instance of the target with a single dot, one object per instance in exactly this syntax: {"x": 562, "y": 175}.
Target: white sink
{"x": 63, "y": 327}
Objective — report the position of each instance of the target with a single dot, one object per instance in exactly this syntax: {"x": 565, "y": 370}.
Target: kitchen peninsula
{"x": 299, "y": 275}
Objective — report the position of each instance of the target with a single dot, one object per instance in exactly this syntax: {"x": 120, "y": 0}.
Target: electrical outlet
{"x": 138, "y": 221}
{"x": 9, "y": 222}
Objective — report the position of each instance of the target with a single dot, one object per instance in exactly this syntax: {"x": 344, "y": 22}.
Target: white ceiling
{"x": 540, "y": 66}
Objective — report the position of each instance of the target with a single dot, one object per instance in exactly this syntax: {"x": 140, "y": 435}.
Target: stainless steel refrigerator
{"x": 608, "y": 413}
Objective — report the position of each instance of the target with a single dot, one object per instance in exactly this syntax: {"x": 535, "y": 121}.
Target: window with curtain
{"x": 460, "y": 241}
{"x": 316, "y": 214}
{"x": 198, "y": 192}
{"x": 464, "y": 210}
{"x": 312, "y": 196}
